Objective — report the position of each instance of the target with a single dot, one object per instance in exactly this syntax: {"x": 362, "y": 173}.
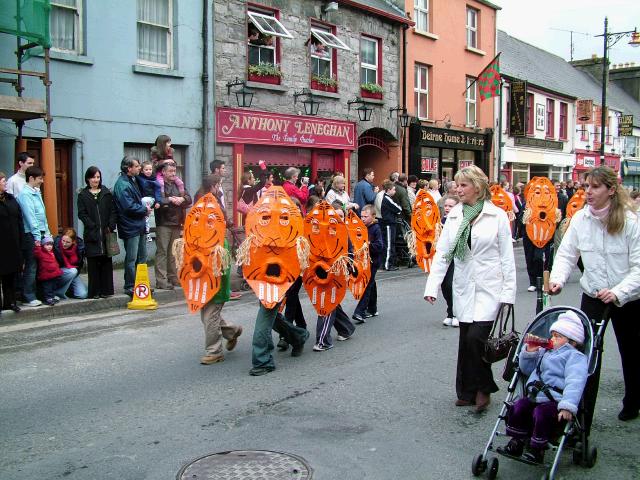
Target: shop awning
{"x": 521, "y": 155}
{"x": 631, "y": 167}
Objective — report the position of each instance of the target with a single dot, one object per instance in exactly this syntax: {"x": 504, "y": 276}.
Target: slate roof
{"x": 548, "y": 71}
{"x": 387, "y": 6}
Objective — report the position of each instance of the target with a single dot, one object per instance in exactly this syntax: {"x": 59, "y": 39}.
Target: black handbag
{"x": 501, "y": 342}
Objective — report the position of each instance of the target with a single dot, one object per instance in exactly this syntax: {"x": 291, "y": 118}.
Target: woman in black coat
{"x": 98, "y": 215}
{"x": 12, "y": 231}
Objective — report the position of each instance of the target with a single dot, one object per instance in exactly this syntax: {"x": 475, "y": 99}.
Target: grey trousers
{"x": 215, "y": 327}
{"x": 165, "y": 267}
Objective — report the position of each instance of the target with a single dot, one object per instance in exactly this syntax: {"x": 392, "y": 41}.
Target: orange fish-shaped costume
{"x": 360, "y": 274}
{"x": 325, "y": 280}
{"x": 501, "y": 199}
{"x": 426, "y": 227}
{"x": 200, "y": 254}
{"x": 542, "y": 212}
{"x": 576, "y": 203}
{"x": 272, "y": 253}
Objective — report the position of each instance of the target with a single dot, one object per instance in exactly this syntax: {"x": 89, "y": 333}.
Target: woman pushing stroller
{"x": 556, "y": 380}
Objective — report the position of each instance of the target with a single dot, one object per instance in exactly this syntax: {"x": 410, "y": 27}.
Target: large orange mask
{"x": 360, "y": 273}
{"x": 269, "y": 254}
{"x": 576, "y": 202}
{"x": 201, "y": 253}
{"x": 542, "y": 213}
{"x": 325, "y": 280}
{"x": 501, "y": 199}
{"x": 426, "y": 226}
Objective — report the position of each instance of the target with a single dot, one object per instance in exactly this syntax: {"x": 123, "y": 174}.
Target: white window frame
{"x": 329, "y": 39}
{"x": 418, "y": 89}
{"x": 316, "y": 59}
{"x": 471, "y": 101}
{"x": 78, "y": 27}
{"x": 370, "y": 66}
{"x": 421, "y": 12}
{"x": 266, "y": 23}
{"x": 472, "y": 27}
{"x": 169, "y": 30}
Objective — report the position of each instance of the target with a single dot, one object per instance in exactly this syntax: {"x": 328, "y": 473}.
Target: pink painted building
{"x": 451, "y": 43}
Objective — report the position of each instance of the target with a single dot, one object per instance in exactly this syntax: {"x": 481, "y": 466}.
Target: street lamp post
{"x": 609, "y": 40}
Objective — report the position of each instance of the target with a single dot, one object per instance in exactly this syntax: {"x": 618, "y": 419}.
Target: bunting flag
{"x": 489, "y": 80}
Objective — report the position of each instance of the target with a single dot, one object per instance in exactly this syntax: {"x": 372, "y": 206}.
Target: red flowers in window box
{"x": 316, "y": 85}
{"x": 271, "y": 79}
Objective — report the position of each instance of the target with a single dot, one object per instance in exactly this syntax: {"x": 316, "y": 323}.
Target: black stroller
{"x": 573, "y": 435}
{"x": 403, "y": 255}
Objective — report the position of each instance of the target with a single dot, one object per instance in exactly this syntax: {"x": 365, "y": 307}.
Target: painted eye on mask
{"x": 315, "y": 227}
{"x": 264, "y": 217}
{"x": 284, "y": 218}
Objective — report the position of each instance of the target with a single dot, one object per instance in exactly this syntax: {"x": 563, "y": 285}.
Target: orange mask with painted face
{"x": 425, "y": 223}
{"x": 272, "y": 229}
{"x": 541, "y": 214}
{"x": 576, "y": 202}
{"x": 203, "y": 241}
{"x": 325, "y": 280}
{"x": 360, "y": 274}
{"x": 501, "y": 199}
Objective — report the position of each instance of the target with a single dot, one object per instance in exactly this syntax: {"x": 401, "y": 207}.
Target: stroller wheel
{"x": 493, "y": 469}
{"x": 478, "y": 465}
{"x": 591, "y": 457}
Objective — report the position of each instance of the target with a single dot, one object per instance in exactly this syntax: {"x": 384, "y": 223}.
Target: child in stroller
{"x": 557, "y": 374}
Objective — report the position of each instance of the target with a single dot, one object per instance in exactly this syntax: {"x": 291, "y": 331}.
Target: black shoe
{"x": 391, "y": 269}
{"x": 296, "y": 350}
{"x": 283, "y": 345}
{"x": 50, "y": 301}
{"x": 627, "y": 414}
{"x": 534, "y": 455}
{"x": 96, "y": 297}
{"x": 15, "y": 308}
{"x": 106, "y": 295}
{"x": 128, "y": 292}
{"x": 257, "y": 371}
{"x": 514, "y": 448}
{"x": 358, "y": 318}
{"x": 369, "y": 314}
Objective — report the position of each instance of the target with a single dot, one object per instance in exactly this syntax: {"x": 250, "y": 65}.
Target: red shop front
{"x": 318, "y": 145}
{"x": 587, "y": 159}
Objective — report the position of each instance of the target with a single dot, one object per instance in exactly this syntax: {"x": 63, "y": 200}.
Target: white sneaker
{"x": 447, "y": 321}
{"x": 32, "y": 303}
{"x": 341, "y": 338}
{"x": 455, "y": 322}
{"x": 531, "y": 288}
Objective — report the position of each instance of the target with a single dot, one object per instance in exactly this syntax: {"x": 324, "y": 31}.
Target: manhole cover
{"x": 247, "y": 465}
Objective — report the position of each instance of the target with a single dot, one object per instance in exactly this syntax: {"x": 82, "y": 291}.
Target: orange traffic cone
{"x": 142, "y": 299}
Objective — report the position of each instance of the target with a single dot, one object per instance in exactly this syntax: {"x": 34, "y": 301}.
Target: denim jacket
{"x": 33, "y": 213}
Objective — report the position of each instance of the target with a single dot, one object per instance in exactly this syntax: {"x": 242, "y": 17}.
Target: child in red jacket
{"x": 49, "y": 273}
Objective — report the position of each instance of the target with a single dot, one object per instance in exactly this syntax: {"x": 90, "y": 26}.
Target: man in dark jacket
{"x": 368, "y": 304}
{"x": 131, "y": 216}
{"x": 169, "y": 220}
{"x": 389, "y": 220}
{"x": 364, "y": 192}
{"x": 401, "y": 197}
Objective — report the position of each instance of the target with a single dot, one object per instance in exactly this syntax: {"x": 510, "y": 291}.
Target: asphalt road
{"x": 121, "y": 395}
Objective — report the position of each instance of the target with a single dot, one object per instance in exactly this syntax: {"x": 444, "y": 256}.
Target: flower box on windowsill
{"x": 271, "y": 79}
{"x": 367, "y": 94}
{"x": 315, "y": 85}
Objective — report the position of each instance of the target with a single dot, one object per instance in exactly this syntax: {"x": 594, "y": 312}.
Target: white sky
{"x": 533, "y": 21}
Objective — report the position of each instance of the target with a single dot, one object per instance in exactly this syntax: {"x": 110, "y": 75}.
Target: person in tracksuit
{"x": 368, "y": 304}
{"x": 389, "y": 211}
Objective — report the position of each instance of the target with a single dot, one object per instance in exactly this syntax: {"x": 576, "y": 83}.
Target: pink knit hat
{"x": 569, "y": 325}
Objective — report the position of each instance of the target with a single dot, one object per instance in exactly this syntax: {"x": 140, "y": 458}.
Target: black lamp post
{"x": 244, "y": 95}
{"x": 402, "y": 115}
{"x": 311, "y": 106}
{"x": 609, "y": 40}
{"x": 364, "y": 112}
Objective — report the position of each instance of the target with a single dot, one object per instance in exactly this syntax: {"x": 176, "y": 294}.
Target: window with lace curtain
{"x": 65, "y": 26}
{"x": 155, "y": 29}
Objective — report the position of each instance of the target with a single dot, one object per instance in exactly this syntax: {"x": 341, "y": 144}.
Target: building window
{"x": 421, "y": 15}
{"x": 264, "y": 32}
{"x": 472, "y": 27}
{"x": 142, "y": 151}
{"x": 584, "y": 133}
{"x": 563, "y": 120}
{"x": 155, "y": 29}
{"x": 530, "y": 113}
{"x": 470, "y": 100}
{"x": 421, "y": 91}
{"x": 65, "y": 24}
{"x": 551, "y": 127}
{"x": 596, "y": 137}
{"x": 369, "y": 51}
{"x": 324, "y": 56}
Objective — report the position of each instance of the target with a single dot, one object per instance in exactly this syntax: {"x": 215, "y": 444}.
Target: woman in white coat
{"x": 477, "y": 237}
{"x": 606, "y": 234}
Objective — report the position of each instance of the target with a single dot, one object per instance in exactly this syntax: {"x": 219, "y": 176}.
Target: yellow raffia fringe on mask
{"x": 220, "y": 260}
{"x": 177, "y": 250}
{"x": 362, "y": 255}
{"x": 342, "y": 265}
{"x": 526, "y": 216}
{"x": 243, "y": 256}
{"x": 303, "y": 249}
{"x": 558, "y": 215}
{"x": 410, "y": 238}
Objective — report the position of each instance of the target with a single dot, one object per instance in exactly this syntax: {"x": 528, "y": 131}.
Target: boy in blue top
{"x": 368, "y": 304}
{"x": 556, "y": 381}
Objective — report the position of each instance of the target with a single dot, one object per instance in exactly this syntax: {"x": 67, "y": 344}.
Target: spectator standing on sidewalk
{"x": 401, "y": 197}
{"x": 338, "y": 193}
{"x": 389, "y": 211}
{"x": 412, "y": 185}
{"x": 131, "y": 219}
{"x": 35, "y": 228}
{"x": 69, "y": 251}
{"x": 169, "y": 221}
{"x": 365, "y": 191}
{"x": 97, "y": 212}
{"x": 291, "y": 175}
{"x": 12, "y": 233}
{"x": 17, "y": 181}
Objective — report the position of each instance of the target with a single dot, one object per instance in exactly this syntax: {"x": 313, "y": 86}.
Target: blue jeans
{"x": 58, "y": 286}
{"x": 76, "y": 288}
{"x": 135, "y": 252}
{"x": 30, "y": 268}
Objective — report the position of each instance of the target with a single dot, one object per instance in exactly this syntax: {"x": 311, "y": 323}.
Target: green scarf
{"x": 460, "y": 244}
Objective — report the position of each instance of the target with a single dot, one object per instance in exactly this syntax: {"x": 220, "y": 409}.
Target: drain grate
{"x": 247, "y": 465}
